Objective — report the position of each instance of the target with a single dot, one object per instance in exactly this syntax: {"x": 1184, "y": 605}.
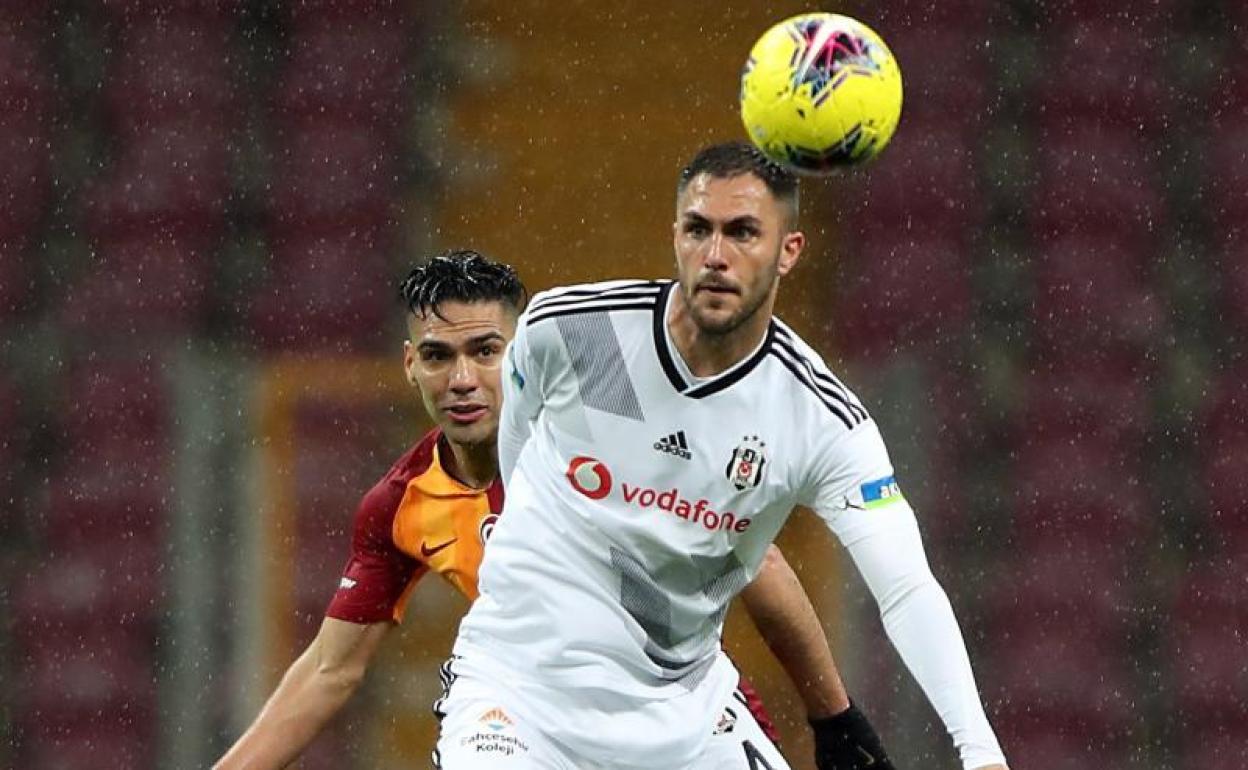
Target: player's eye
{"x": 697, "y": 229}
{"x": 434, "y": 356}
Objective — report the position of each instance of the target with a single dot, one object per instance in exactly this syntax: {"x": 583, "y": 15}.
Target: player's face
{"x": 733, "y": 242}
{"x": 455, "y": 360}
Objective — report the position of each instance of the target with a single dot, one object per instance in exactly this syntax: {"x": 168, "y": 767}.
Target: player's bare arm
{"x": 313, "y": 690}
{"x": 784, "y": 616}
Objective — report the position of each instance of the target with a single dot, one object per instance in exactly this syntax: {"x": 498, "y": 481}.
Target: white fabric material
{"x": 640, "y": 502}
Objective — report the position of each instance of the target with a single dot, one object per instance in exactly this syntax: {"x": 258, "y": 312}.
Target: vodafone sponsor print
{"x": 593, "y": 479}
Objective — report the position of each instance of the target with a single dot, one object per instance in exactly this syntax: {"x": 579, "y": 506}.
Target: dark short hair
{"x": 732, "y": 159}
{"x": 461, "y": 275}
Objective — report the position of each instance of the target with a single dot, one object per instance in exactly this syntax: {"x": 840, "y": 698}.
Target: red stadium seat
{"x": 110, "y": 582}
{"x": 198, "y": 10}
{"x": 351, "y": 71}
{"x": 93, "y": 742}
{"x": 1227, "y": 175}
{"x": 331, "y": 176}
{"x": 1205, "y": 644}
{"x": 1063, "y": 577}
{"x": 1097, "y": 182}
{"x": 24, "y": 174}
{"x": 1061, "y": 684}
{"x": 325, "y": 291}
{"x": 902, "y": 291}
{"x": 1220, "y": 749}
{"x": 15, "y": 278}
{"x": 1225, "y": 479}
{"x": 170, "y": 68}
{"x": 1092, "y": 306}
{"x": 1110, "y": 405}
{"x": 925, "y": 182}
{"x": 143, "y": 283}
{"x": 1099, "y": 71}
{"x": 1233, "y": 272}
{"x": 952, "y": 93}
{"x": 1077, "y": 488}
{"x": 174, "y": 176}
{"x": 326, "y": 13}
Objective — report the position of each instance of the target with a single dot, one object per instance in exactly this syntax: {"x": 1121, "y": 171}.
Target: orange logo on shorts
{"x": 496, "y": 719}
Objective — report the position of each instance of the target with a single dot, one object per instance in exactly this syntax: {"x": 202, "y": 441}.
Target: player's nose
{"x": 463, "y": 375}
{"x": 713, "y": 257}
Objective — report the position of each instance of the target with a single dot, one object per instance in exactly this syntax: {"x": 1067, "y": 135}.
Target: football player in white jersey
{"x": 655, "y": 437}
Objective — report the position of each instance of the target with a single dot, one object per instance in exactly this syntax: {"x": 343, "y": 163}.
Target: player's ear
{"x": 409, "y": 362}
{"x": 791, "y": 250}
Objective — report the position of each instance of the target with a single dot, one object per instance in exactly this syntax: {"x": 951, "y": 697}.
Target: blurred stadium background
{"x": 1041, "y": 289}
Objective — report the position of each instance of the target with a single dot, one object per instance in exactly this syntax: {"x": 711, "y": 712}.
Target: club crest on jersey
{"x": 487, "y": 527}
{"x": 745, "y": 469}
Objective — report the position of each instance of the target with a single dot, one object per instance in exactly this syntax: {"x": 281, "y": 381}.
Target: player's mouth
{"x": 466, "y": 414}
{"x": 715, "y": 289}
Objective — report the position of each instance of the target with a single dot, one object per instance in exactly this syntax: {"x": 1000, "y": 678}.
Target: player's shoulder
{"x": 389, "y": 490}
{"x": 809, "y": 376}
{"x": 601, "y": 296}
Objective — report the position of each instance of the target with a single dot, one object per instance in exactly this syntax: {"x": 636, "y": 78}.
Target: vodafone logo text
{"x": 589, "y": 477}
{"x": 592, "y": 479}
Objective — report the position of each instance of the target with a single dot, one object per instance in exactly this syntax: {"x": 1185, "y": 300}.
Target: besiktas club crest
{"x": 745, "y": 469}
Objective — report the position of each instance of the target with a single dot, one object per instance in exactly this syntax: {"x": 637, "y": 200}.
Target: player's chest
{"x": 445, "y": 533}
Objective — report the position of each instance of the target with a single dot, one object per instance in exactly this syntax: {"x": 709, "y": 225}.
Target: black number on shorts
{"x": 757, "y": 761}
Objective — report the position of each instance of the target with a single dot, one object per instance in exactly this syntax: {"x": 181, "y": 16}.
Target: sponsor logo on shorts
{"x": 495, "y": 735}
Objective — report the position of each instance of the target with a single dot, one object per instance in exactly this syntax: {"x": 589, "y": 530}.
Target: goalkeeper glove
{"x": 847, "y": 741}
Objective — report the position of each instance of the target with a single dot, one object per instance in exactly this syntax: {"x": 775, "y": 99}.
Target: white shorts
{"x": 481, "y": 731}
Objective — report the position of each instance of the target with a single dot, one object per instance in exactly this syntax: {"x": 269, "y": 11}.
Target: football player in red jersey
{"x": 433, "y": 511}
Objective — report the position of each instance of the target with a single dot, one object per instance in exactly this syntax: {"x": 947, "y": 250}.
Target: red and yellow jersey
{"x": 417, "y": 519}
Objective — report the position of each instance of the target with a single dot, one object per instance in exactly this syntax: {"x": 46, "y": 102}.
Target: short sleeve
{"x": 377, "y": 578}
{"x": 522, "y": 400}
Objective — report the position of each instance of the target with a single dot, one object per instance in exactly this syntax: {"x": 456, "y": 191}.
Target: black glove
{"x": 847, "y": 741}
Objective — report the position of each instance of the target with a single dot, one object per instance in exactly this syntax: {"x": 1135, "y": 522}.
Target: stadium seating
{"x": 901, "y": 291}
{"x": 331, "y": 176}
{"x": 325, "y": 290}
{"x": 1100, "y": 70}
{"x": 1079, "y": 403}
{"x": 354, "y": 71}
{"x": 1092, "y": 305}
{"x": 146, "y": 283}
{"x": 1097, "y": 181}
{"x": 167, "y": 69}
{"x": 1209, "y": 671}
{"x": 1084, "y": 487}
{"x": 925, "y": 183}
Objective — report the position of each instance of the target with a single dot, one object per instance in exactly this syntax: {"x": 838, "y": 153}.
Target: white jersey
{"x": 641, "y": 500}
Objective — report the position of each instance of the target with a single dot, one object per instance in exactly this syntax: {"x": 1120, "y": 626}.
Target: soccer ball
{"x": 819, "y": 92}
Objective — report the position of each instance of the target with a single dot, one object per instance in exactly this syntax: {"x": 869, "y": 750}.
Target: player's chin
{"x": 478, "y": 432}
{"x": 719, "y": 318}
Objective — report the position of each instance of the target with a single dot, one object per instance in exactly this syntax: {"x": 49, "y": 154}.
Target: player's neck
{"x": 707, "y": 354}
{"x": 473, "y": 465}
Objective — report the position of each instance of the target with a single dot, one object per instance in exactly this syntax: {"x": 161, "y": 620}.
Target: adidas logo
{"x": 674, "y": 444}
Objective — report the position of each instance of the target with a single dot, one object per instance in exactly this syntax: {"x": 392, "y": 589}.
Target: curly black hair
{"x": 732, "y": 159}
{"x": 460, "y": 275}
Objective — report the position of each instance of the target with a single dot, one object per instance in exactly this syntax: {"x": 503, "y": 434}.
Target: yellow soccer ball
{"x": 820, "y": 92}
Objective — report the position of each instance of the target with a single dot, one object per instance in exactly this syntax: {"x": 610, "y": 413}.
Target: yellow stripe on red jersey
{"x": 417, "y": 518}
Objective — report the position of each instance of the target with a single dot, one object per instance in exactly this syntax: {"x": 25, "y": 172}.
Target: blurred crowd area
{"x": 1040, "y": 290}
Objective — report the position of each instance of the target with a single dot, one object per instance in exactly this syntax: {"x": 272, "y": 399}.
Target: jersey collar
{"x": 668, "y": 354}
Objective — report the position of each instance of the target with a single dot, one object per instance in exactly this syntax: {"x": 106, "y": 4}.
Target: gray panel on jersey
{"x": 599, "y": 364}
{"x": 652, "y": 599}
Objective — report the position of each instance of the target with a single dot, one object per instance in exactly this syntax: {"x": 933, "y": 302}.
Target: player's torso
{"x": 661, "y": 491}
{"x": 444, "y": 525}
